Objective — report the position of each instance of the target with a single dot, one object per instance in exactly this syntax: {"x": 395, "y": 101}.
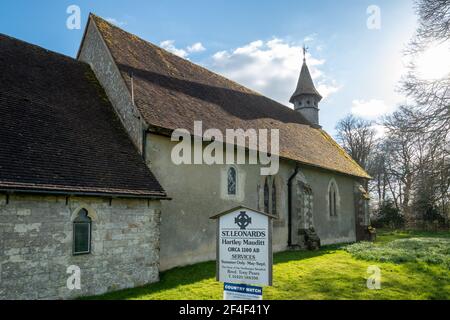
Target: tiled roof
{"x": 58, "y": 131}
{"x": 171, "y": 92}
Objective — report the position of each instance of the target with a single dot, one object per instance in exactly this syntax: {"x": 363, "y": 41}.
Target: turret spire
{"x": 306, "y": 98}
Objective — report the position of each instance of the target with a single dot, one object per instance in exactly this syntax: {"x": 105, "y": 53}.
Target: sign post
{"x": 244, "y": 250}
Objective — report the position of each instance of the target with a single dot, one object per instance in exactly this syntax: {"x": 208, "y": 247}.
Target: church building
{"x": 88, "y": 186}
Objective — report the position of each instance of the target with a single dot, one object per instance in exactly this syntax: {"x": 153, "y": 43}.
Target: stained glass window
{"x": 232, "y": 179}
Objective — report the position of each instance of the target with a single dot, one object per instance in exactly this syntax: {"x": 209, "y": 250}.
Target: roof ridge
{"x": 172, "y": 54}
{"x": 36, "y": 46}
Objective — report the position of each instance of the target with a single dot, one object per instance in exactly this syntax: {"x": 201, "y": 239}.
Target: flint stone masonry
{"x": 36, "y": 247}
{"x": 96, "y": 54}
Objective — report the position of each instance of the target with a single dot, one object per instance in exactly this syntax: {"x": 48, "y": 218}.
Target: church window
{"x": 232, "y": 181}
{"x": 332, "y": 199}
{"x": 266, "y": 195}
{"x": 82, "y": 233}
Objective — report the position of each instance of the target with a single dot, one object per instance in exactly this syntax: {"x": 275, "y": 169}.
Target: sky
{"x": 355, "y": 47}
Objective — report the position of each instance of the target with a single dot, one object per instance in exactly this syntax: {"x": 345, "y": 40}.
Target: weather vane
{"x": 305, "y": 50}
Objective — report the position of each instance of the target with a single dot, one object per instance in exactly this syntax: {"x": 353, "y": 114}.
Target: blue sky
{"x": 256, "y": 43}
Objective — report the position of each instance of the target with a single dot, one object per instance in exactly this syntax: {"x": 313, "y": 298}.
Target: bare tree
{"x": 431, "y": 110}
{"x": 410, "y": 168}
{"x": 434, "y": 19}
{"x": 379, "y": 186}
{"x": 432, "y": 181}
{"x": 410, "y": 165}
{"x": 357, "y": 137}
{"x": 426, "y": 123}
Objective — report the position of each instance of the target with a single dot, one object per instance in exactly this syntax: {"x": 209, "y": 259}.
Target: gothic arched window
{"x": 274, "y": 198}
{"x": 82, "y": 233}
{"x": 332, "y": 199}
{"x": 266, "y": 195}
{"x": 232, "y": 181}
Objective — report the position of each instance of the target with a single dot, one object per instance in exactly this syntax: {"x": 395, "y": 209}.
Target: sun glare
{"x": 434, "y": 63}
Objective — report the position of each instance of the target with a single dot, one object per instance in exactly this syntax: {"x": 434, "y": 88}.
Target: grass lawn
{"x": 330, "y": 273}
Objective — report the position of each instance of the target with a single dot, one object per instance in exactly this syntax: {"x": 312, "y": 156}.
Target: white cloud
{"x": 327, "y": 87}
{"x": 272, "y": 68}
{"x": 196, "y": 47}
{"x": 116, "y": 22}
{"x": 169, "y": 45}
{"x": 370, "y": 109}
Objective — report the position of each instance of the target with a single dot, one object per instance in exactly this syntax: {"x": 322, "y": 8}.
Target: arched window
{"x": 274, "y": 198}
{"x": 266, "y": 195}
{"x": 332, "y": 199}
{"x": 232, "y": 181}
{"x": 82, "y": 233}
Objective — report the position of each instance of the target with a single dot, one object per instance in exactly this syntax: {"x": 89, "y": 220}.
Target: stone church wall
{"x": 36, "y": 245}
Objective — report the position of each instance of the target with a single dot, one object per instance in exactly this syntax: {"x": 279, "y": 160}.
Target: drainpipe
{"x": 290, "y": 205}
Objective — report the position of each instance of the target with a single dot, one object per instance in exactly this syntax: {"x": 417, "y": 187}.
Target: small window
{"x": 82, "y": 233}
{"x": 231, "y": 181}
{"x": 266, "y": 196}
{"x": 330, "y": 203}
{"x": 332, "y": 200}
{"x": 334, "y": 203}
